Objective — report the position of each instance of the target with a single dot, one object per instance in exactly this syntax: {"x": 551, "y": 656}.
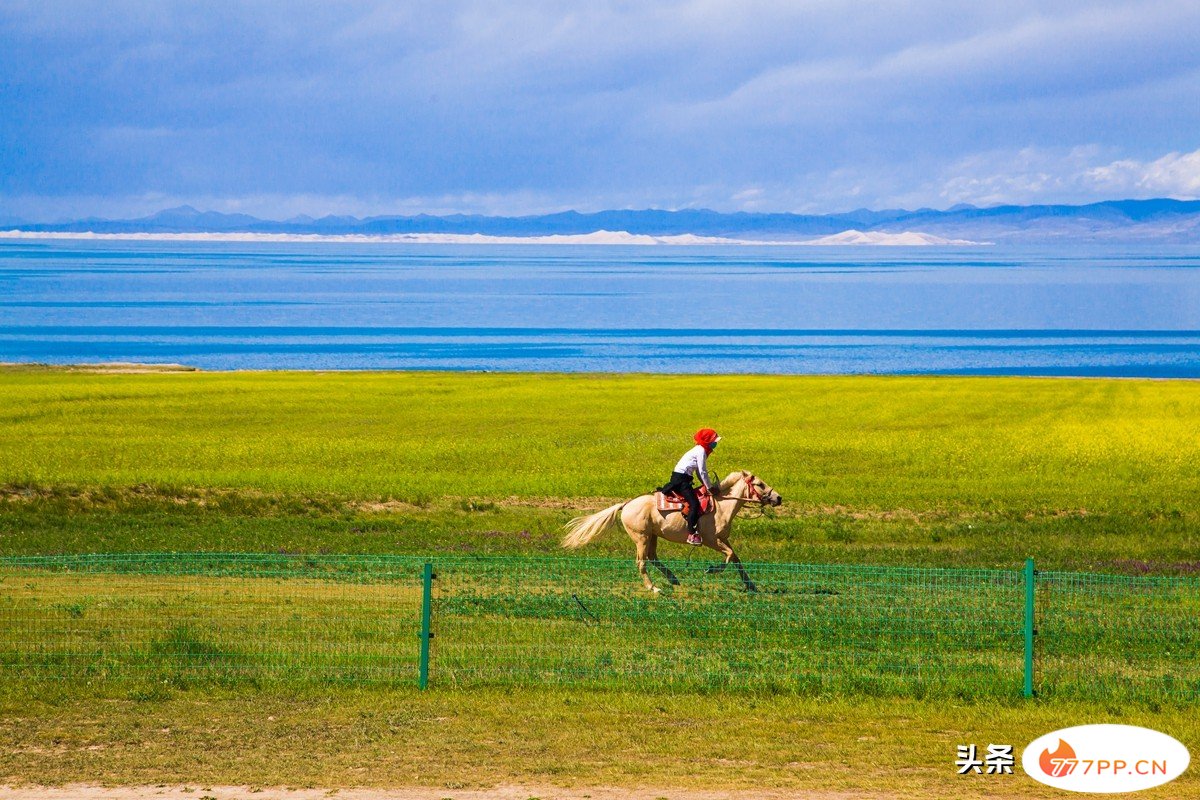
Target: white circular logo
{"x": 1105, "y": 758}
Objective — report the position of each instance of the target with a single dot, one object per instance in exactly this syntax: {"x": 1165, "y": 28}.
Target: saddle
{"x": 666, "y": 503}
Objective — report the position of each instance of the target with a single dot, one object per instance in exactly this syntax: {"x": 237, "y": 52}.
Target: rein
{"x": 755, "y": 494}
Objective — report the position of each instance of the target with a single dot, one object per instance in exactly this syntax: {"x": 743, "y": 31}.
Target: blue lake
{"x": 1118, "y": 310}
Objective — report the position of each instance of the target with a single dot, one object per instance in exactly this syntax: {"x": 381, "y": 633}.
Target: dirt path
{"x": 196, "y": 792}
{"x": 88, "y": 792}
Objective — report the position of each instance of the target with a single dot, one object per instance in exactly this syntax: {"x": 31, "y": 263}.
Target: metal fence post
{"x": 426, "y": 623}
{"x": 1030, "y": 577}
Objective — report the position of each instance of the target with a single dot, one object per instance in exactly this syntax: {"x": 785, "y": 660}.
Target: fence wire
{"x": 188, "y": 618}
{"x": 814, "y": 629}
{"x": 1111, "y": 637}
{"x": 806, "y": 629}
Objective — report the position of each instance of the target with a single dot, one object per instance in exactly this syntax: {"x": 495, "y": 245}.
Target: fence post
{"x": 1029, "y": 597}
{"x": 426, "y": 620}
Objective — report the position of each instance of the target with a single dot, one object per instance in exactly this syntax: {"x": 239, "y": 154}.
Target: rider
{"x": 694, "y": 462}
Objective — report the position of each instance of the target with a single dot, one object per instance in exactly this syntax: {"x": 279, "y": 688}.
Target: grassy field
{"x": 451, "y": 740}
{"x": 1080, "y": 474}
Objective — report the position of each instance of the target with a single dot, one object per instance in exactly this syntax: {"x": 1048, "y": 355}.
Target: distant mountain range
{"x": 1160, "y": 220}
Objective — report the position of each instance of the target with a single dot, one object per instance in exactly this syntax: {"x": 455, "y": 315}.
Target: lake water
{"x": 1116, "y": 310}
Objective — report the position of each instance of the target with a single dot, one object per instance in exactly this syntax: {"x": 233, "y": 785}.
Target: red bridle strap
{"x": 754, "y": 493}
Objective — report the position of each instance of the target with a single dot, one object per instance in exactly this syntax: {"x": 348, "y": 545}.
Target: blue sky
{"x": 281, "y": 108}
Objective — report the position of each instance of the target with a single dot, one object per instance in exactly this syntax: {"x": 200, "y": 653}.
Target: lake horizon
{"x": 1111, "y": 310}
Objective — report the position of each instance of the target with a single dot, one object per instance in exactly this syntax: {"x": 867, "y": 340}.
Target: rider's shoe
{"x": 694, "y": 539}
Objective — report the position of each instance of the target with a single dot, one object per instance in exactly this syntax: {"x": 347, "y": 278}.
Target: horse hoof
{"x": 655, "y": 590}
{"x": 751, "y": 588}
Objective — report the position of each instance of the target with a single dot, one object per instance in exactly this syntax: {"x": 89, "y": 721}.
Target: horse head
{"x": 749, "y": 486}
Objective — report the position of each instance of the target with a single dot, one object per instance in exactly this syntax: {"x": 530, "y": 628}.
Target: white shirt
{"x": 695, "y": 462}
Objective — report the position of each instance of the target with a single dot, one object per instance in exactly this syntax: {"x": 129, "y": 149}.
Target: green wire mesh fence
{"x": 807, "y": 628}
{"x": 191, "y": 618}
{"x": 478, "y": 621}
{"x": 1111, "y": 637}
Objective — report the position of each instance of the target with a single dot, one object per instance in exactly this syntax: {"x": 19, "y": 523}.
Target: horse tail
{"x": 582, "y": 530}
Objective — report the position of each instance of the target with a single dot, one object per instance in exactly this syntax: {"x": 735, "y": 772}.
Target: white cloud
{"x": 1031, "y": 175}
{"x": 1174, "y": 175}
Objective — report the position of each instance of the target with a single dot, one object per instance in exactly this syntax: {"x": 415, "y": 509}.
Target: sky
{"x": 119, "y": 109}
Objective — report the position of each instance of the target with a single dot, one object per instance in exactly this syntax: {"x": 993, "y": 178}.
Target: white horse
{"x": 645, "y": 524}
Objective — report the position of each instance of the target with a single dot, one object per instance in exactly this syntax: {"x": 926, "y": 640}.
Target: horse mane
{"x": 732, "y": 478}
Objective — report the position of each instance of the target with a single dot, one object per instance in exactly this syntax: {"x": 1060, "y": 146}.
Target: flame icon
{"x": 1060, "y": 762}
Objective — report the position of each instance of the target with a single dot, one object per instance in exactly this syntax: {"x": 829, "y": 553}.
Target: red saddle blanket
{"x": 667, "y": 503}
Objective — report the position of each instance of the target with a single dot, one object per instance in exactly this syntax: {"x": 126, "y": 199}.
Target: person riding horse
{"x": 646, "y": 524}
{"x": 694, "y": 463}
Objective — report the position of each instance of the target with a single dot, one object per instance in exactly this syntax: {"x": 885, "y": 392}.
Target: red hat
{"x": 706, "y": 437}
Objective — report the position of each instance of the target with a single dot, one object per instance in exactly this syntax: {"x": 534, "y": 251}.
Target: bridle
{"x": 755, "y": 494}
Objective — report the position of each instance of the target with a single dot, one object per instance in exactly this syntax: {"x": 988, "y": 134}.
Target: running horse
{"x": 645, "y": 524}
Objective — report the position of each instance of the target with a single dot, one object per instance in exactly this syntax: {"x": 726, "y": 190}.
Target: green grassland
{"x": 1081, "y": 474}
{"x": 451, "y": 740}
{"x": 926, "y": 472}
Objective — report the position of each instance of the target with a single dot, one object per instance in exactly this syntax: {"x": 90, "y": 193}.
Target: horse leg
{"x": 635, "y": 517}
{"x": 642, "y": 548}
{"x": 652, "y": 555}
{"x": 723, "y": 546}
